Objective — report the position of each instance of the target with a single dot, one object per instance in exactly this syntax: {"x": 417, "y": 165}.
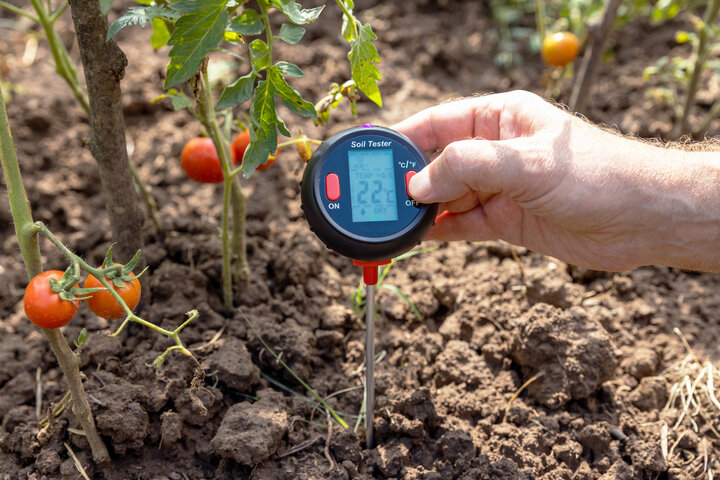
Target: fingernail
{"x": 420, "y": 185}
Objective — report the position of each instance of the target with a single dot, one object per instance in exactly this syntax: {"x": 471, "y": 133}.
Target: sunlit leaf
{"x": 290, "y": 33}
{"x": 195, "y": 34}
{"x": 248, "y": 23}
{"x": 160, "y": 35}
{"x": 236, "y": 93}
{"x": 140, "y": 16}
{"x": 363, "y": 57}
{"x": 263, "y": 129}
{"x": 295, "y": 13}
{"x": 289, "y": 96}
{"x": 290, "y": 69}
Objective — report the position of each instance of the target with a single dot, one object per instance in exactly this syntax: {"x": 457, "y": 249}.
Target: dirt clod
{"x": 251, "y": 432}
{"x": 232, "y": 363}
{"x": 574, "y": 353}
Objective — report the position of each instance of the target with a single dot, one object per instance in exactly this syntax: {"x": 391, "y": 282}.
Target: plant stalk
{"x": 593, "y": 54}
{"x": 104, "y": 66}
{"x": 701, "y": 56}
{"x": 30, "y": 251}
{"x": 63, "y": 65}
{"x": 232, "y": 194}
{"x": 241, "y": 270}
{"x": 540, "y": 19}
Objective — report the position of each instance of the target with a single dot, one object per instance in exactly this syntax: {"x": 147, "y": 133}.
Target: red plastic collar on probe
{"x": 370, "y": 270}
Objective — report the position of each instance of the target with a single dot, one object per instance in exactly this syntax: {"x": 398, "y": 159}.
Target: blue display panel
{"x": 373, "y": 196}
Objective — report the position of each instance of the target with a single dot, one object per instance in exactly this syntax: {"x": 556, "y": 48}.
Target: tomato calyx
{"x": 66, "y": 287}
{"x": 119, "y": 274}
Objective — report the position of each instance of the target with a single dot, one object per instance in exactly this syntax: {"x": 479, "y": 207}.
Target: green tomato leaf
{"x": 105, "y": 6}
{"x": 289, "y": 96}
{"x": 237, "y": 92}
{"x": 160, "y": 35}
{"x": 259, "y": 55}
{"x": 289, "y": 69}
{"x": 282, "y": 126}
{"x": 363, "y": 57}
{"x": 263, "y": 128}
{"x": 180, "y": 101}
{"x": 295, "y": 13}
{"x": 249, "y": 22}
{"x": 291, "y": 33}
{"x": 140, "y": 16}
{"x": 195, "y": 34}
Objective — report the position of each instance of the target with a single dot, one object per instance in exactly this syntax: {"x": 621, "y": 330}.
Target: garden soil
{"x": 598, "y": 354}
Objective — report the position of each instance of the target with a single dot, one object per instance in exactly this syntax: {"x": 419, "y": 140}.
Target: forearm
{"x": 688, "y": 207}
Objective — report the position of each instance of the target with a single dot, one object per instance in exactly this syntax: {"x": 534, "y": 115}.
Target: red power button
{"x": 408, "y": 176}
{"x": 332, "y": 186}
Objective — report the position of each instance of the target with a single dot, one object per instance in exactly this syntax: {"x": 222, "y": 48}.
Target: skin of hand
{"x": 514, "y": 167}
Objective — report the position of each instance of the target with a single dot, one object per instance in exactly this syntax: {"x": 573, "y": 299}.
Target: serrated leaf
{"x": 249, "y": 22}
{"x": 237, "y": 92}
{"x": 140, "y": 16}
{"x": 363, "y": 57}
{"x": 263, "y": 130}
{"x": 160, "y": 35}
{"x": 290, "y": 33}
{"x": 289, "y": 96}
{"x": 290, "y": 69}
{"x": 295, "y": 13}
{"x": 282, "y": 126}
{"x": 195, "y": 34}
{"x": 259, "y": 55}
{"x": 105, "y": 6}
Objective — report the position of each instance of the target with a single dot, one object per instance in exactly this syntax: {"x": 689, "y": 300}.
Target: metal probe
{"x": 369, "y": 365}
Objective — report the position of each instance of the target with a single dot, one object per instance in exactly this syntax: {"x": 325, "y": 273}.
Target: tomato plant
{"x": 560, "y": 48}
{"x": 194, "y": 29}
{"x": 103, "y": 303}
{"x": 200, "y": 161}
{"x": 681, "y": 78}
{"x": 48, "y": 302}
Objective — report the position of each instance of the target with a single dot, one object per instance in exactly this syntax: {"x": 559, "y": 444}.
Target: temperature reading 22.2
{"x": 372, "y": 186}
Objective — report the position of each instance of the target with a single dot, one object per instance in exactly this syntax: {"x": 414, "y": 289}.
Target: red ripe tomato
{"x": 43, "y": 306}
{"x": 560, "y": 48}
{"x": 200, "y": 160}
{"x": 102, "y": 302}
{"x": 240, "y": 144}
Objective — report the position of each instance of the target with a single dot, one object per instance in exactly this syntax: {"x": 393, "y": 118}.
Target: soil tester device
{"x": 355, "y": 198}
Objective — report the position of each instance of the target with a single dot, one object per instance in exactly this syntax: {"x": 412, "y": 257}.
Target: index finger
{"x": 436, "y": 127}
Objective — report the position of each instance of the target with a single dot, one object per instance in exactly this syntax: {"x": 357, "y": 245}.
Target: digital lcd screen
{"x": 372, "y": 186}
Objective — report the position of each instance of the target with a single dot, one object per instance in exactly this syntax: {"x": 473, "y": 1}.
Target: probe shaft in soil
{"x": 369, "y": 365}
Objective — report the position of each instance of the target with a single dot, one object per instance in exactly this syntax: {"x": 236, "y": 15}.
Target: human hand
{"x": 513, "y": 167}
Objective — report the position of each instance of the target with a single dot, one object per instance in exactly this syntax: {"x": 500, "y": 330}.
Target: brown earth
{"x": 598, "y": 350}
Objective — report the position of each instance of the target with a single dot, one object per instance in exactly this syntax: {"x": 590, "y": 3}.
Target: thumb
{"x": 471, "y": 165}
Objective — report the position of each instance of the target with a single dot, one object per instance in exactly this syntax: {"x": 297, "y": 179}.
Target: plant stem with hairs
{"x": 30, "y": 250}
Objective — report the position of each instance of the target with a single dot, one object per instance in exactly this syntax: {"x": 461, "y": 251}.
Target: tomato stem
{"x": 99, "y": 273}
{"x": 233, "y": 196}
{"x": 26, "y": 233}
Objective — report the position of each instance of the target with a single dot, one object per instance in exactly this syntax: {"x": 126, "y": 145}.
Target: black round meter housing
{"x": 355, "y": 197}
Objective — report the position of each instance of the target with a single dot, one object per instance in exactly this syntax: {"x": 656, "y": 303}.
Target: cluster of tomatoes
{"x": 48, "y": 305}
{"x": 201, "y": 162}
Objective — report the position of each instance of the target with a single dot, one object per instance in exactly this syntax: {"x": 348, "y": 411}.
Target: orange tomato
{"x": 560, "y": 48}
